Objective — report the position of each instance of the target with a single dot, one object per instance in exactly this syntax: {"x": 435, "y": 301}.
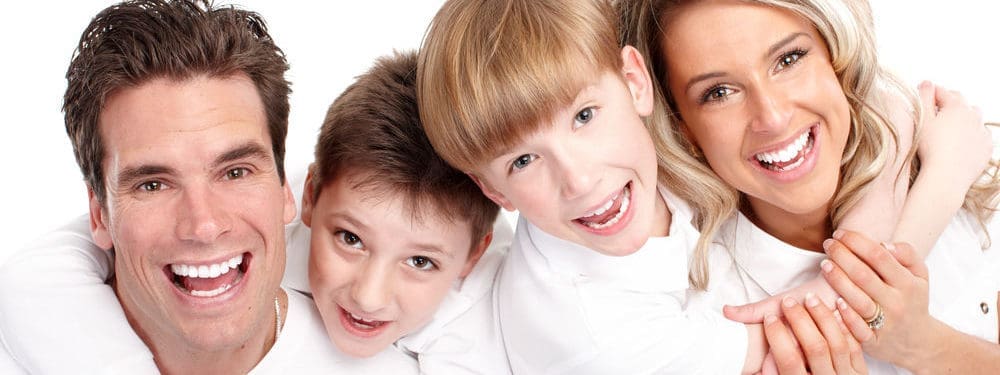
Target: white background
{"x": 328, "y": 44}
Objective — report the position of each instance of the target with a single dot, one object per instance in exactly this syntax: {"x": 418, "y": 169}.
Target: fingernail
{"x": 811, "y": 300}
{"x": 788, "y": 301}
{"x": 827, "y": 243}
{"x": 838, "y": 233}
{"x": 841, "y": 303}
{"x": 889, "y": 246}
{"x": 826, "y": 265}
{"x": 925, "y": 84}
{"x": 768, "y": 319}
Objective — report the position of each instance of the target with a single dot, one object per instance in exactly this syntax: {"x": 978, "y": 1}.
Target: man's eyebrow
{"x": 129, "y": 175}
{"x": 244, "y": 151}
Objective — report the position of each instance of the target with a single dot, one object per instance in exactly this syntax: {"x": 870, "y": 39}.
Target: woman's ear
{"x": 638, "y": 80}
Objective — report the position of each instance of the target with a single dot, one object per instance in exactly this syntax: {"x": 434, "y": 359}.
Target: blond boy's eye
{"x": 421, "y": 263}
{"x": 583, "y": 117}
{"x": 523, "y": 161}
{"x": 350, "y": 239}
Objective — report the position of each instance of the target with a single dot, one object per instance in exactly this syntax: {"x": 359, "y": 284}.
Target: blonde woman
{"x": 794, "y": 115}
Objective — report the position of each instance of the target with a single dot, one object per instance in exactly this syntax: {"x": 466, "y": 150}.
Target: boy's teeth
{"x": 358, "y": 318}
{"x": 601, "y": 210}
{"x": 207, "y": 271}
{"x": 621, "y": 212}
{"x": 786, "y": 154}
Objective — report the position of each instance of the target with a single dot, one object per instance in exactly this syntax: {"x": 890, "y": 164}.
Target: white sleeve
{"x": 57, "y": 314}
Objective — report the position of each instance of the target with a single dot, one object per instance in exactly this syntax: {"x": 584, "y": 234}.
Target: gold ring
{"x": 878, "y": 319}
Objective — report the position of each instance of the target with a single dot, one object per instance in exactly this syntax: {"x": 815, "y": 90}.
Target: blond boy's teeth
{"x": 786, "y": 154}
{"x": 601, "y": 210}
{"x": 627, "y": 193}
{"x": 207, "y": 271}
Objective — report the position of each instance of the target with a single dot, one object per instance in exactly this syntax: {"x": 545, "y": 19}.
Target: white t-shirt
{"x": 57, "y": 316}
{"x": 962, "y": 275}
{"x": 463, "y": 337}
{"x": 568, "y": 309}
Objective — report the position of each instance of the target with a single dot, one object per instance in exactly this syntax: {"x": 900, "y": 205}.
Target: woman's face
{"x": 759, "y": 97}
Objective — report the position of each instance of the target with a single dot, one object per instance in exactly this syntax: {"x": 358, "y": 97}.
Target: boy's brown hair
{"x": 492, "y": 71}
{"x": 135, "y": 41}
{"x": 373, "y": 130}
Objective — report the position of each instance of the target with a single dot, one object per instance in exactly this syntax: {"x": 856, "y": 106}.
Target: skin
{"x": 192, "y": 180}
{"x": 584, "y": 157}
{"x": 741, "y": 94}
{"x": 371, "y": 257}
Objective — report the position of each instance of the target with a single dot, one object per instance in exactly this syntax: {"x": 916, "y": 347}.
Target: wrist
{"x": 930, "y": 350}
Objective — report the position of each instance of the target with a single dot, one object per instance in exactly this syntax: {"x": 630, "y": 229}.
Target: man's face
{"x": 195, "y": 211}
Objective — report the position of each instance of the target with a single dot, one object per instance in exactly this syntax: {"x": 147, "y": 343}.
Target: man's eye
{"x": 237, "y": 173}
{"x": 523, "y": 161}
{"x": 350, "y": 239}
{"x": 421, "y": 263}
{"x": 151, "y": 186}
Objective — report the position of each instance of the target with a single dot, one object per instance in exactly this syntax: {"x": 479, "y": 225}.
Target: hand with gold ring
{"x": 884, "y": 292}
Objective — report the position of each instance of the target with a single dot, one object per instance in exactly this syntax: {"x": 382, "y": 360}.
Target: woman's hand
{"x": 812, "y": 339}
{"x": 866, "y": 273}
{"x": 755, "y": 312}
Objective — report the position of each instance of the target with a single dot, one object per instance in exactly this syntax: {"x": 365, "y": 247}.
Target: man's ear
{"x": 308, "y": 201}
{"x": 98, "y": 222}
{"x": 638, "y": 80}
{"x": 493, "y": 195}
{"x": 476, "y": 253}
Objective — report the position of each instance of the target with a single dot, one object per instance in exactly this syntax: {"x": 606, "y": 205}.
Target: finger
{"x": 875, "y": 255}
{"x": 908, "y": 258}
{"x": 784, "y": 349}
{"x": 855, "y": 323}
{"x": 926, "y": 91}
{"x": 769, "y": 367}
{"x": 857, "y": 268}
{"x": 753, "y": 313}
{"x": 836, "y": 339}
{"x": 814, "y": 346}
{"x": 854, "y": 298}
{"x": 853, "y": 346}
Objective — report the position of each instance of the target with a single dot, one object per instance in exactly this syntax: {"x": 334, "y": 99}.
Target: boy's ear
{"x": 639, "y": 82}
{"x": 98, "y": 222}
{"x": 493, "y": 195}
{"x": 475, "y": 253}
{"x": 307, "y": 198}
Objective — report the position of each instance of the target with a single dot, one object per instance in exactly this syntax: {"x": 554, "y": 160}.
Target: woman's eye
{"x": 523, "y": 161}
{"x": 236, "y": 173}
{"x": 716, "y": 94}
{"x": 790, "y": 59}
{"x": 421, "y": 263}
{"x": 583, "y": 117}
{"x": 350, "y": 239}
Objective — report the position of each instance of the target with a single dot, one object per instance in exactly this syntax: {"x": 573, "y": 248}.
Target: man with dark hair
{"x": 177, "y": 112}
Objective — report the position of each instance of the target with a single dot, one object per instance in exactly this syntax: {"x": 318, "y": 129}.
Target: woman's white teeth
{"x": 627, "y": 193}
{"x": 207, "y": 271}
{"x": 786, "y": 154}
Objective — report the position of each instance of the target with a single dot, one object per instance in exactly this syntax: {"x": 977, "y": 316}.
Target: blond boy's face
{"x": 590, "y": 175}
{"x": 377, "y": 274}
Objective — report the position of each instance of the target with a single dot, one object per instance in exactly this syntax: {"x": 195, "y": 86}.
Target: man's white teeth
{"x": 614, "y": 220}
{"x": 210, "y": 293}
{"x": 207, "y": 271}
{"x": 786, "y": 154}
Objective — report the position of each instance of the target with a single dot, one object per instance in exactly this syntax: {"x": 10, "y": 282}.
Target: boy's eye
{"x": 583, "y": 117}
{"x": 236, "y": 173}
{"x": 789, "y": 59}
{"x": 523, "y": 161}
{"x": 421, "y": 263}
{"x": 350, "y": 239}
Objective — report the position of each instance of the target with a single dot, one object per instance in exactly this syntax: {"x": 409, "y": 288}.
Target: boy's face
{"x": 589, "y": 176}
{"x": 376, "y": 272}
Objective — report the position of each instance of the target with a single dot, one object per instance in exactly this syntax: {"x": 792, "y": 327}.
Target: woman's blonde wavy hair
{"x": 848, "y": 30}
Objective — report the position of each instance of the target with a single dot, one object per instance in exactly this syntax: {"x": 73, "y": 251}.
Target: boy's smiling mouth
{"x": 359, "y": 326}
{"x": 610, "y": 213}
